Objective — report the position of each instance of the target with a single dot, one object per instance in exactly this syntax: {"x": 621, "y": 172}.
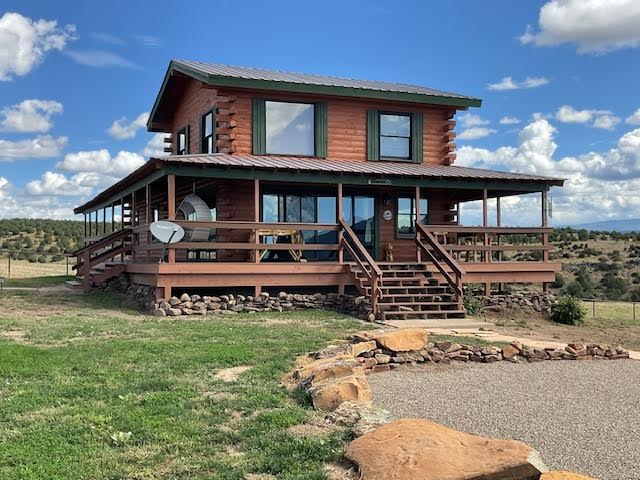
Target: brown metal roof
{"x": 249, "y": 73}
{"x": 316, "y": 166}
{"x": 308, "y": 164}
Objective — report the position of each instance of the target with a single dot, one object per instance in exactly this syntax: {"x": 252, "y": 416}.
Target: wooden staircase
{"x": 101, "y": 260}
{"x": 408, "y": 291}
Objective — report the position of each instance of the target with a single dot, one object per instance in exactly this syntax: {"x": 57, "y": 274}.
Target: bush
{"x": 560, "y": 281}
{"x": 472, "y": 304}
{"x": 42, "y": 259}
{"x": 568, "y": 311}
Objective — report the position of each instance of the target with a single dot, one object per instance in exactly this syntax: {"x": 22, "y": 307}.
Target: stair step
{"x": 426, "y": 315}
{"x": 75, "y": 284}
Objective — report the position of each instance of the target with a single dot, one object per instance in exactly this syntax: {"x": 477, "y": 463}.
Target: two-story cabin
{"x": 285, "y": 180}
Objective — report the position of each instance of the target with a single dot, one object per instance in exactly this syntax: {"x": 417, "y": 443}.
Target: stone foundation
{"x": 526, "y": 301}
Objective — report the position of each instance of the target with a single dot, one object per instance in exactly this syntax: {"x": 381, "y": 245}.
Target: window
{"x": 182, "y": 141}
{"x": 395, "y": 136}
{"x": 289, "y": 128}
{"x": 406, "y": 215}
{"x": 207, "y": 133}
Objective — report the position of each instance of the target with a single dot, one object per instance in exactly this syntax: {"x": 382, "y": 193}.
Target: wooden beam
{"x": 544, "y": 208}
{"x": 417, "y": 200}
{"x": 256, "y": 218}
{"x": 498, "y": 224}
{"x": 340, "y": 232}
{"x": 486, "y": 256}
{"x": 171, "y": 211}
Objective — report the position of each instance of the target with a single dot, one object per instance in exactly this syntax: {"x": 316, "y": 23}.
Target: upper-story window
{"x": 395, "y": 136}
{"x": 182, "y": 141}
{"x": 289, "y": 128}
{"x": 207, "y": 133}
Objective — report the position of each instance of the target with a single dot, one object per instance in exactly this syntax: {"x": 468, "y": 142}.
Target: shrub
{"x": 568, "y": 311}
{"x": 560, "y": 281}
{"x": 472, "y": 304}
{"x": 42, "y": 259}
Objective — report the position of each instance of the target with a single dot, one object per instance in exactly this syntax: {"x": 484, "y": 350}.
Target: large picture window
{"x": 289, "y": 128}
{"x": 395, "y": 136}
{"x": 406, "y": 215}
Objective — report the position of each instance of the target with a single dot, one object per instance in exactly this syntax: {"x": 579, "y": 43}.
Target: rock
{"x": 381, "y": 358}
{"x": 335, "y": 370}
{"x": 159, "y": 312}
{"x": 174, "y": 301}
{"x": 305, "y": 372}
{"x": 409, "y": 449}
{"x": 185, "y": 298}
{"x": 510, "y": 352}
{"x": 174, "y": 312}
{"x": 362, "y": 347}
{"x": 563, "y": 475}
{"x": 329, "y": 395}
{"x": 403, "y": 340}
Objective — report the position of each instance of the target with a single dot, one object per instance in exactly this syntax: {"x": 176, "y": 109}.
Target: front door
{"x": 359, "y": 211}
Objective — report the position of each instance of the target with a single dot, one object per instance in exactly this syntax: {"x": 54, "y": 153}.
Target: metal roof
{"x": 297, "y": 165}
{"x": 249, "y": 73}
{"x": 382, "y": 168}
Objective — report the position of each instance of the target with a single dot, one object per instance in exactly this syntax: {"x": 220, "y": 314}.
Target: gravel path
{"x": 581, "y": 416}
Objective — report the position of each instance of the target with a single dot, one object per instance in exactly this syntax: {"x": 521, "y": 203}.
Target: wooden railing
{"x": 486, "y": 244}
{"x": 439, "y": 256}
{"x": 253, "y": 243}
{"x": 105, "y": 249}
{"x": 350, "y": 242}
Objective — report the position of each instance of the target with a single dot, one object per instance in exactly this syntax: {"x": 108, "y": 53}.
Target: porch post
{"x": 104, "y": 220}
{"x": 85, "y": 225}
{"x": 171, "y": 212}
{"x": 418, "y": 252}
{"x": 134, "y": 236}
{"x": 340, "y": 233}
{"x": 498, "y": 224}
{"x": 256, "y": 219}
{"x": 147, "y": 214}
{"x": 545, "y": 236}
{"x": 486, "y": 255}
{"x": 113, "y": 219}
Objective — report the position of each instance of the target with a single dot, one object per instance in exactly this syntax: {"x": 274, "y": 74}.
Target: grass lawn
{"x": 91, "y": 390}
{"x": 612, "y": 313}
{"x": 31, "y": 282}
{"x": 25, "y": 269}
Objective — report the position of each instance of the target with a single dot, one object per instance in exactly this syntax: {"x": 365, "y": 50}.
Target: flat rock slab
{"x": 412, "y": 449}
{"x": 403, "y": 339}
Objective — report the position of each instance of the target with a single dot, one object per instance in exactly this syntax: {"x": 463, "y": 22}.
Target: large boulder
{"x": 403, "y": 339}
{"x": 305, "y": 370}
{"x": 562, "y": 475}
{"x": 330, "y": 394}
{"x": 410, "y": 449}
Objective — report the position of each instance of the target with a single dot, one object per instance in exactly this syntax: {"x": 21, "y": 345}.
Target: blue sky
{"x": 571, "y": 83}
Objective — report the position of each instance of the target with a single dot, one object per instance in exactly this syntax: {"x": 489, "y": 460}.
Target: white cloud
{"x": 634, "y": 118}
{"x": 101, "y": 163}
{"x": 4, "y": 183}
{"x": 599, "y": 185}
{"x": 473, "y": 127}
{"x": 596, "y": 118}
{"x": 595, "y": 26}
{"x": 100, "y": 59}
{"x": 474, "y": 133}
{"x": 29, "y": 116}
{"x": 508, "y": 83}
{"x": 56, "y": 184}
{"x": 121, "y": 130}
{"x": 106, "y": 38}
{"x": 148, "y": 40}
{"x": 155, "y": 146}
{"x": 44, "y": 146}
{"x": 24, "y": 42}
{"x": 509, "y": 121}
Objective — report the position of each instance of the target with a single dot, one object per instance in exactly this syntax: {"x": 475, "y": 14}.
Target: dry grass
{"x": 612, "y": 313}
{"x": 25, "y": 269}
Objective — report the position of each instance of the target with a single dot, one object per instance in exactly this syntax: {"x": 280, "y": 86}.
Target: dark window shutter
{"x": 258, "y": 130}
{"x": 187, "y": 139}
{"x": 373, "y": 135}
{"x": 417, "y": 131}
{"x": 202, "y": 123}
{"x": 320, "y": 123}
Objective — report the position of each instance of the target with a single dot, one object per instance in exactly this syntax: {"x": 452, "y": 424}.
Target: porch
{"x": 401, "y": 245}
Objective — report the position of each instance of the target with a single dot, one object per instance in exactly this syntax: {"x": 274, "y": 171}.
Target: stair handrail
{"x": 456, "y": 283}
{"x": 85, "y": 262}
{"x": 373, "y": 273}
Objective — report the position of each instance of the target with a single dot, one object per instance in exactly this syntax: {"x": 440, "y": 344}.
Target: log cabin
{"x": 296, "y": 181}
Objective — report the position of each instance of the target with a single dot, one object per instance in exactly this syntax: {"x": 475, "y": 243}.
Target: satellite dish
{"x": 167, "y": 232}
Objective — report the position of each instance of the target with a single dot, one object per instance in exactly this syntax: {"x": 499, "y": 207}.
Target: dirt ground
{"x": 538, "y": 328}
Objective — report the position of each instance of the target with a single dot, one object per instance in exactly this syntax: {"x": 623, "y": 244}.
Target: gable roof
{"x": 254, "y": 78}
{"x": 252, "y": 166}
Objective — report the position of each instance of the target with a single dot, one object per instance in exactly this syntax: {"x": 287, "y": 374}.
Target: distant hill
{"x": 631, "y": 225}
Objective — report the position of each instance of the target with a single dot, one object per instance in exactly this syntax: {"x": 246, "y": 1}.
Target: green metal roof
{"x": 254, "y": 78}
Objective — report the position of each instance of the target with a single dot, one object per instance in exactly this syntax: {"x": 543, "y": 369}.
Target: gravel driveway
{"x": 581, "y": 416}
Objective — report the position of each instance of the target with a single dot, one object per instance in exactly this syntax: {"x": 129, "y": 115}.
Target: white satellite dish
{"x": 167, "y": 232}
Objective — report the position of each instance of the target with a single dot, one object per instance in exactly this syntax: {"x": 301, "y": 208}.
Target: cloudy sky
{"x": 559, "y": 80}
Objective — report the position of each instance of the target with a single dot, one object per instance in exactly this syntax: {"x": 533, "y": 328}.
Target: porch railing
{"x": 350, "y": 242}
{"x": 492, "y": 244}
{"x": 437, "y": 255}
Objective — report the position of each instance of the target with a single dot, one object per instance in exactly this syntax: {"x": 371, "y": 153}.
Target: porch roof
{"x": 316, "y": 167}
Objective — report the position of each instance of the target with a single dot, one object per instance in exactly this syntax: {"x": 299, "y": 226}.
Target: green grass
{"x": 612, "y": 313}
{"x": 35, "y": 282}
{"x": 78, "y": 373}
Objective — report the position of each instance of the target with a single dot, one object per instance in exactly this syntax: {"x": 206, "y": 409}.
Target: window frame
{"x": 409, "y": 138}
{"x": 203, "y": 136}
{"x": 184, "y": 130}
{"x": 313, "y": 127}
{"x": 412, "y": 215}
